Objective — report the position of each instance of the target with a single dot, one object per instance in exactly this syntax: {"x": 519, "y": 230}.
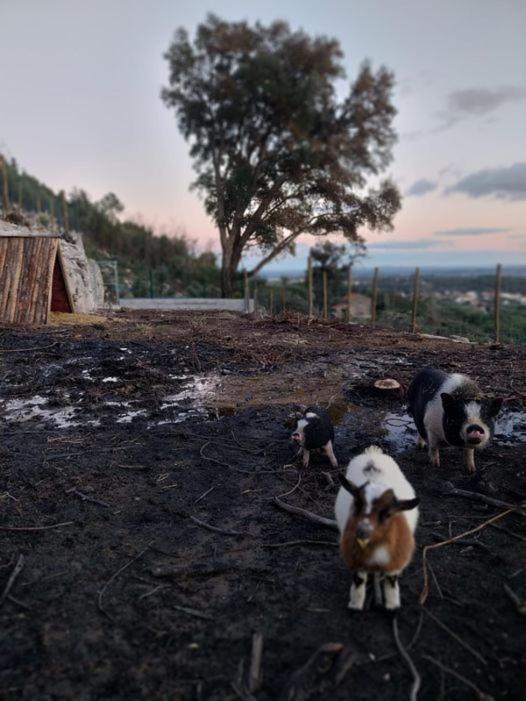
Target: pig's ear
{"x": 447, "y": 400}
{"x": 407, "y": 504}
{"x": 494, "y": 407}
{"x": 348, "y": 485}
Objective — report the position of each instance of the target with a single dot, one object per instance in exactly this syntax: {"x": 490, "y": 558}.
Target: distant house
{"x": 360, "y": 307}
{"x": 42, "y": 272}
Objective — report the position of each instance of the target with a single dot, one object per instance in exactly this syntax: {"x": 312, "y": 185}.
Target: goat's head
{"x": 373, "y": 508}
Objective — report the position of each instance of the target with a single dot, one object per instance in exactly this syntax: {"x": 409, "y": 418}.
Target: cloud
{"x": 421, "y": 187}
{"x": 501, "y": 183}
{"x": 471, "y": 231}
{"x": 477, "y": 102}
{"x": 412, "y": 245}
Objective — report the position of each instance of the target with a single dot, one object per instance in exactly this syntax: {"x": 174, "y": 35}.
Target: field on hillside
{"x": 142, "y": 549}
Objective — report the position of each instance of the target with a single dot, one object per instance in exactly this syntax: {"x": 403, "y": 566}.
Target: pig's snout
{"x": 296, "y": 438}
{"x": 475, "y": 434}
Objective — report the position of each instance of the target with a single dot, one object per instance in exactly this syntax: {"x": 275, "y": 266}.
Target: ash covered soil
{"x": 118, "y": 441}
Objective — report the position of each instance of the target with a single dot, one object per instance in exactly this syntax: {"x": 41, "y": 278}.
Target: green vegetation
{"x": 149, "y": 264}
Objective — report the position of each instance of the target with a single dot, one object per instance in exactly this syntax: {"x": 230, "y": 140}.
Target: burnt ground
{"x": 114, "y": 448}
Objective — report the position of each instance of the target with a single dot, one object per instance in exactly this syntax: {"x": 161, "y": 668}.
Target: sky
{"x": 80, "y": 107}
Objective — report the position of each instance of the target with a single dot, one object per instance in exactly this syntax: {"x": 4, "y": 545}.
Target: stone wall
{"x": 83, "y": 275}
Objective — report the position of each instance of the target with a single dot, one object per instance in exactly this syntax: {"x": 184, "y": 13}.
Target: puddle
{"x": 400, "y": 430}
{"x": 510, "y": 426}
{"x": 198, "y": 389}
{"x": 21, "y": 410}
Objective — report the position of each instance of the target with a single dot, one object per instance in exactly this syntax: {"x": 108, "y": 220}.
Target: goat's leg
{"x": 358, "y": 588}
{"x": 377, "y": 581}
{"x": 391, "y": 591}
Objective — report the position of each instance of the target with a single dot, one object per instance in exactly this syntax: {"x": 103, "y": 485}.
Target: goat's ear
{"x": 495, "y": 406}
{"x": 407, "y": 504}
{"x": 447, "y": 400}
{"x": 348, "y": 485}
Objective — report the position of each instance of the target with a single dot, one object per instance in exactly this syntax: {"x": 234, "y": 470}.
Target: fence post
{"x": 310, "y": 297}
{"x": 325, "y": 296}
{"x": 64, "y": 208}
{"x": 246, "y": 288}
{"x": 5, "y": 190}
{"x": 416, "y": 294}
{"x": 498, "y": 280}
{"x": 282, "y": 297}
{"x": 374, "y": 296}
{"x": 349, "y": 293}
{"x": 256, "y": 305}
{"x": 271, "y": 301}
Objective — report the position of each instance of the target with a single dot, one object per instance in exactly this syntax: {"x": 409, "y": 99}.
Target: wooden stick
{"x": 116, "y": 574}
{"x": 214, "y": 528}
{"x": 455, "y": 636}
{"x": 193, "y": 612}
{"x": 36, "y": 528}
{"x": 349, "y": 294}
{"x": 254, "y": 673}
{"x": 374, "y": 296}
{"x": 12, "y": 577}
{"x": 416, "y": 677}
{"x": 498, "y": 279}
{"x": 480, "y": 694}
{"x": 450, "y": 490}
{"x": 321, "y": 520}
{"x": 416, "y": 294}
{"x": 425, "y": 589}
{"x": 290, "y": 543}
{"x": 310, "y": 294}
{"x": 325, "y": 296}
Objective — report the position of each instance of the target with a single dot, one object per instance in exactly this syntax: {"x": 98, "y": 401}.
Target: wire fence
{"x": 479, "y": 307}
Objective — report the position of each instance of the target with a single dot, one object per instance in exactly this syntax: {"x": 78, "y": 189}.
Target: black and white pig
{"x": 314, "y": 431}
{"x": 450, "y": 409}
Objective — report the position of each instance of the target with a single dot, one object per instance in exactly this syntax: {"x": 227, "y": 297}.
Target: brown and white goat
{"x": 376, "y": 511}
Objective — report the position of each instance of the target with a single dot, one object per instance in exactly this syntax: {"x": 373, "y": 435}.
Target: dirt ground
{"x": 123, "y": 442}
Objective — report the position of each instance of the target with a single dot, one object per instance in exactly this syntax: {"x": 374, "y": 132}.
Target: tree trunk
{"x": 227, "y": 278}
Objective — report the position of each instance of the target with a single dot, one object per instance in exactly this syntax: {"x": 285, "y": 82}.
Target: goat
{"x": 376, "y": 511}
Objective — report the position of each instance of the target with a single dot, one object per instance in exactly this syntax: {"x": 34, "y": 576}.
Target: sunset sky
{"x": 80, "y": 106}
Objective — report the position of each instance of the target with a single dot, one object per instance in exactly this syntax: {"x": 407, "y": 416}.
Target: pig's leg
{"x": 469, "y": 459}
{"x": 306, "y": 456}
{"x": 329, "y": 452}
{"x": 358, "y": 588}
{"x": 391, "y": 591}
{"x": 434, "y": 454}
{"x": 420, "y": 442}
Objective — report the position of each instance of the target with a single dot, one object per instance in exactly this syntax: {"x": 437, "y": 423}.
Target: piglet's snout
{"x": 296, "y": 438}
{"x": 475, "y": 434}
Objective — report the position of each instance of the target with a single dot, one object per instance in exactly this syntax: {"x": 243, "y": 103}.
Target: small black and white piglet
{"x": 314, "y": 431}
{"x": 450, "y": 409}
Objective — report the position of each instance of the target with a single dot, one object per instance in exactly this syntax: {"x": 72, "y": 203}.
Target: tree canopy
{"x": 277, "y": 153}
